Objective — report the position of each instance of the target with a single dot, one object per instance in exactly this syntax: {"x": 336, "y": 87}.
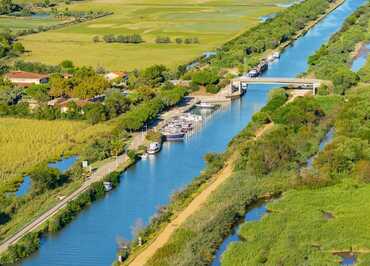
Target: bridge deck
{"x": 277, "y": 80}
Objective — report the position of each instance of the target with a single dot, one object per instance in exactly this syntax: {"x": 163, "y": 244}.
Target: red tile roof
{"x": 24, "y": 75}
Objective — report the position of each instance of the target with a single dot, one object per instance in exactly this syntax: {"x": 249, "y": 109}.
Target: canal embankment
{"x": 172, "y": 245}
{"x": 152, "y": 198}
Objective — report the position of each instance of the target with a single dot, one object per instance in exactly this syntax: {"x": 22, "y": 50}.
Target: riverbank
{"x": 190, "y": 229}
{"x": 132, "y": 201}
{"x": 198, "y": 200}
{"x": 320, "y": 222}
{"x": 147, "y": 254}
{"x": 119, "y": 163}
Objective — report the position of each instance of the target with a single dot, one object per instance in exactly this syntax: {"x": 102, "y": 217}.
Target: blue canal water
{"x": 24, "y": 187}
{"x": 361, "y": 59}
{"x": 325, "y": 141}
{"x": 62, "y": 165}
{"x": 350, "y": 260}
{"x": 90, "y": 240}
{"x": 254, "y": 214}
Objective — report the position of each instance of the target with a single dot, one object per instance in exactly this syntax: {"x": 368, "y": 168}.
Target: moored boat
{"x": 205, "y": 105}
{"x": 154, "y": 147}
{"x": 173, "y": 135}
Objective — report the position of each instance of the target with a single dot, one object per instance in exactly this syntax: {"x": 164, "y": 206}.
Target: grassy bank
{"x": 31, "y": 242}
{"x": 333, "y": 60}
{"x": 326, "y": 212}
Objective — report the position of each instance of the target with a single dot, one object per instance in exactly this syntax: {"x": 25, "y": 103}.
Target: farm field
{"x": 213, "y": 22}
{"x": 22, "y": 23}
{"x": 25, "y": 143}
{"x": 304, "y": 222}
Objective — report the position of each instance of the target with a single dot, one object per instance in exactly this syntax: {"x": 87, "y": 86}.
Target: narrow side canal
{"x": 91, "y": 239}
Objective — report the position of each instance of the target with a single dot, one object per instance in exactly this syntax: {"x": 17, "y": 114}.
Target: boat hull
{"x": 175, "y": 137}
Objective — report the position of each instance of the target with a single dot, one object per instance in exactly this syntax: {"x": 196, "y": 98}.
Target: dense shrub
{"x": 205, "y": 77}
{"x": 332, "y": 61}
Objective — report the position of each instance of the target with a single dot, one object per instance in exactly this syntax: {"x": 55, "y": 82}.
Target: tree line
{"x": 332, "y": 61}
{"x": 110, "y": 38}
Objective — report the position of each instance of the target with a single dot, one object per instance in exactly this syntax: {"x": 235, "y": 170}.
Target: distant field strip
{"x": 213, "y": 22}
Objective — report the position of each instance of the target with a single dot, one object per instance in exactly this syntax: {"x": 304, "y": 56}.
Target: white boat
{"x": 173, "y": 135}
{"x": 154, "y": 147}
{"x": 191, "y": 117}
{"x": 108, "y": 186}
{"x": 276, "y": 55}
{"x": 205, "y": 105}
{"x": 253, "y": 73}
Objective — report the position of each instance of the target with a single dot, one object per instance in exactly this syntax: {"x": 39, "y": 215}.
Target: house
{"x": 64, "y": 106}
{"x": 180, "y": 82}
{"x": 115, "y": 75}
{"x": 25, "y": 79}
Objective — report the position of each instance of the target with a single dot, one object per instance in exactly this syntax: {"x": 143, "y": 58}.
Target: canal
{"x": 90, "y": 240}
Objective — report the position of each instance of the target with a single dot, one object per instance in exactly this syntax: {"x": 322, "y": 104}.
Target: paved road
{"x": 137, "y": 140}
{"x": 98, "y": 175}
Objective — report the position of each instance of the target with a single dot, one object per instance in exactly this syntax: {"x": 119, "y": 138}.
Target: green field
{"x": 307, "y": 227}
{"x": 212, "y": 21}
{"x": 25, "y": 143}
{"x": 22, "y": 23}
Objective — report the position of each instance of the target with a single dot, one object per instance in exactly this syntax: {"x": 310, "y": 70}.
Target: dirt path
{"x": 194, "y": 206}
{"x": 200, "y": 199}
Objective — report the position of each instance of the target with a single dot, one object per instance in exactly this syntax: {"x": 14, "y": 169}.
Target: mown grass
{"x": 24, "y": 143}
{"x": 297, "y": 231}
{"x": 213, "y": 22}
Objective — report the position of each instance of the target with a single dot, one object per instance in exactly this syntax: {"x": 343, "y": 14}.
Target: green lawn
{"x": 297, "y": 231}
{"x": 213, "y": 22}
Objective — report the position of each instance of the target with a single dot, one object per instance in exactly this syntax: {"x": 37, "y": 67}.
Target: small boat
{"x": 205, "y": 105}
{"x": 253, "y": 73}
{"x": 191, "y": 117}
{"x": 107, "y": 186}
{"x": 154, "y": 147}
{"x": 173, "y": 135}
{"x": 276, "y": 55}
{"x": 144, "y": 156}
{"x": 262, "y": 67}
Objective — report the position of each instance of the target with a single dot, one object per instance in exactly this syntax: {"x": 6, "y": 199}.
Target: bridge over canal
{"x": 303, "y": 83}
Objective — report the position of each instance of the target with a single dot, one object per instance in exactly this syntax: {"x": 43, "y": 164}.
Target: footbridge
{"x": 241, "y": 82}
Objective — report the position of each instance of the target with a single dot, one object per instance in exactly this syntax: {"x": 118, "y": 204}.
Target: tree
{"x": 45, "y": 178}
{"x": 6, "y": 6}
{"x": 96, "y": 39}
{"x": 116, "y": 103}
{"x": 67, "y": 64}
{"x": 38, "y": 92}
{"x": 179, "y": 40}
{"x": 59, "y": 86}
{"x": 18, "y": 48}
{"x": 90, "y": 87}
{"x": 161, "y": 39}
{"x": 154, "y": 75}
{"x": 8, "y": 93}
{"x": 109, "y": 38}
{"x": 95, "y": 113}
{"x": 206, "y": 77}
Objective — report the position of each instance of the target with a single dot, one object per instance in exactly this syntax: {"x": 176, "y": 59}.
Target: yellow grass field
{"x": 213, "y": 21}
{"x": 24, "y": 143}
